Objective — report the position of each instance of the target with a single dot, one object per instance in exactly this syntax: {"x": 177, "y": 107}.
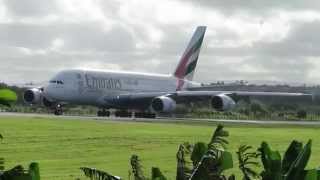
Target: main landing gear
{"x": 103, "y": 113}
{"x": 124, "y": 113}
{"x": 145, "y": 115}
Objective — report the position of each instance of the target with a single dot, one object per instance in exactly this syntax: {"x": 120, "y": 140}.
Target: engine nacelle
{"x": 32, "y": 96}
{"x": 222, "y": 102}
{"x": 163, "y": 104}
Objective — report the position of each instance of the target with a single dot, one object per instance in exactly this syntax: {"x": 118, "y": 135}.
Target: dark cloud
{"x": 85, "y": 36}
{"x": 26, "y": 35}
{"x": 284, "y": 60}
{"x": 256, "y": 6}
{"x": 253, "y": 68}
{"x": 27, "y": 8}
{"x": 301, "y": 41}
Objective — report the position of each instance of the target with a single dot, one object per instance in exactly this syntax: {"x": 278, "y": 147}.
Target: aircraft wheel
{"x": 58, "y": 112}
{"x": 103, "y": 113}
{"x": 145, "y": 115}
{"x": 122, "y": 114}
{"x": 99, "y": 113}
{"x": 107, "y": 113}
{"x": 138, "y": 115}
{"x": 150, "y": 115}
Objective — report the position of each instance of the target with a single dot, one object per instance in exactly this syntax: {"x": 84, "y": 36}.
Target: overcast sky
{"x": 246, "y": 39}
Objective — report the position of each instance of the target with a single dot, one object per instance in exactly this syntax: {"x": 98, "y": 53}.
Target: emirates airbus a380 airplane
{"x": 133, "y": 91}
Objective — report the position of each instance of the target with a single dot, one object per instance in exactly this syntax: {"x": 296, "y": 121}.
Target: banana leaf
{"x": 291, "y": 155}
{"x": 271, "y": 161}
{"x": 226, "y": 160}
{"x": 296, "y": 169}
{"x": 199, "y": 150}
{"x": 157, "y": 174}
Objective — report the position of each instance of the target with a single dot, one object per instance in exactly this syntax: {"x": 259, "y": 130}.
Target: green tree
{"x": 302, "y": 114}
{"x": 7, "y": 97}
{"x": 258, "y": 109}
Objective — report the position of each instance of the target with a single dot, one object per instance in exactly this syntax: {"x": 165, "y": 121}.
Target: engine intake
{"x": 222, "y": 102}
{"x": 163, "y": 104}
{"x": 32, "y": 96}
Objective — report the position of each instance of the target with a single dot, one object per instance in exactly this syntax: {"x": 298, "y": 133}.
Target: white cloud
{"x": 57, "y": 44}
{"x": 99, "y": 66}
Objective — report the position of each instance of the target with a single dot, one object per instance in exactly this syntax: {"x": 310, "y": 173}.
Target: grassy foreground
{"x": 61, "y": 146}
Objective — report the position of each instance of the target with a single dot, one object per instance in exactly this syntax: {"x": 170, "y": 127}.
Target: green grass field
{"x": 61, "y": 146}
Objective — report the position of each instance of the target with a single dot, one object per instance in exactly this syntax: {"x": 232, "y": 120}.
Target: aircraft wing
{"x": 206, "y": 94}
{"x": 182, "y": 96}
{"x": 219, "y": 99}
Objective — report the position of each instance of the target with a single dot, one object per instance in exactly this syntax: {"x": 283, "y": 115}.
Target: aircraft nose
{"x": 45, "y": 90}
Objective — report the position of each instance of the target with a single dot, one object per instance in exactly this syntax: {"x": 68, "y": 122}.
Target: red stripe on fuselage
{"x": 180, "y": 84}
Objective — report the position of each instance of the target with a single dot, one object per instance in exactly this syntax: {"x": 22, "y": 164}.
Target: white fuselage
{"x": 90, "y": 86}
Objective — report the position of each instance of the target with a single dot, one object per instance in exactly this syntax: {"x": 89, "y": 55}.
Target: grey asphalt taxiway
{"x": 314, "y": 123}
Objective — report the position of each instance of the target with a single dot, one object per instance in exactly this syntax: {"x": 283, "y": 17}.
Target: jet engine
{"x": 222, "y": 102}
{"x": 163, "y": 104}
{"x": 32, "y": 96}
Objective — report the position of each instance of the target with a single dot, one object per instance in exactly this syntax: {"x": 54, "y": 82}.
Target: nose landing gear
{"x": 58, "y": 110}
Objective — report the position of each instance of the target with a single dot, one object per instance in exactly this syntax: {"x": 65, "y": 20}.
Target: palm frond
{"x": 157, "y": 174}
{"x": 247, "y": 161}
{"x": 137, "y": 168}
{"x": 184, "y": 164}
{"x": 218, "y": 140}
{"x": 95, "y": 174}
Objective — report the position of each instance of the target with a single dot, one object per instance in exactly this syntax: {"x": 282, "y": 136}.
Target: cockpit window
{"x": 56, "y": 82}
